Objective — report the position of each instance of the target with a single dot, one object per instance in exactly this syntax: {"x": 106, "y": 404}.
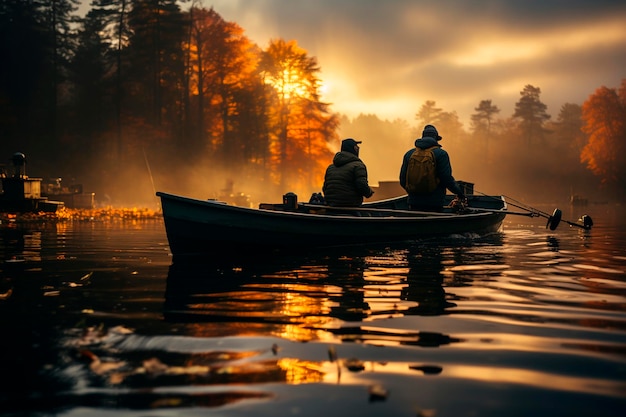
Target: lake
{"x": 97, "y": 319}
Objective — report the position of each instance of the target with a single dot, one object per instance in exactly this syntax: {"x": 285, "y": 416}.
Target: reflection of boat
{"x": 266, "y": 294}
{"x": 205, "y": 226}
{"x": 298, "y": 297}
{"x": 21, "y": 193}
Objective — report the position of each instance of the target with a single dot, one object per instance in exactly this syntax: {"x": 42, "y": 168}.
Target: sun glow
{"x": 289, "y": 84}
{"x": 540, "y": 45}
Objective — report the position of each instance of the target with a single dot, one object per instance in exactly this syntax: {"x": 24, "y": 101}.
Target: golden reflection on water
{"x": 538, "y": 379}
{"x": 531, "y": 312}
{"x": 301, "y": 372}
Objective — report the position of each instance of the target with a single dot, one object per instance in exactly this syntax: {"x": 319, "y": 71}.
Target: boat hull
{"x": 197, "y": 226}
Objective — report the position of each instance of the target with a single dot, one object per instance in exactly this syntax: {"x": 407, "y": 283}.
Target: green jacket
{"x": 345, "y": 182}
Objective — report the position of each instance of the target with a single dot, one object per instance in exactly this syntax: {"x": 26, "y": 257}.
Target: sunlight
{"x": 490, "y": 54}
{"x": 289, "y": 84}
{"x": 323, "y": 89}
{"x": 538, "y": 379}
{"x": 529, "y": 47}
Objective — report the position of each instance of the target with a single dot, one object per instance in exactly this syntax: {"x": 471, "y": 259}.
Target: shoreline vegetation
{"x": 109, "y": 214}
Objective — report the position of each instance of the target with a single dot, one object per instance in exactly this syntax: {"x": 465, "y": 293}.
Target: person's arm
{"x": 444, "y": 171}
{"x": 403, "y": 169}
{"x": 360, "y": 177}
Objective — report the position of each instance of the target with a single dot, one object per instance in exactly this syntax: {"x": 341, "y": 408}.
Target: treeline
{"x": 141, "y": 82}
{"x": 139, "y": 94}
{"x": 529, "y": 153}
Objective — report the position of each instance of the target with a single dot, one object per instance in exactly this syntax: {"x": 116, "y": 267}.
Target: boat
{"x": 195, "y": 226}
{"x": 72, "y": 196}
{"x": 21, "y": 193}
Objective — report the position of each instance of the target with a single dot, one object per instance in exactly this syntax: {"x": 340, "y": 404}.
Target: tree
{"x": 300, "y": 124}
{"x": 223, "y": 65}
{"x": 568, "y": 128}
{"x": 449, "y": 123}
{"x": 532, "y": 113}
{"x": 112, "y": 28}
{"x": 604, "y": 117}
{"x": 156, "y": 62}
{"x": 37, "y": 42}
{"x": 20, "y": 82}
{"x": 93, "y": 98}
{"x": 58, "y": 21}
{"x": 428, "y": 114}
{"x": 482, "y": 120}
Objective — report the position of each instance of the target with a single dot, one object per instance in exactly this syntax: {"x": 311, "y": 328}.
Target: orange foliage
{"x": 301, "y": 126}
{"x": 604, "y": 117}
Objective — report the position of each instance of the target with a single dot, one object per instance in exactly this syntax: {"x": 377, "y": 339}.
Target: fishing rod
{"x": 553, "y": 219}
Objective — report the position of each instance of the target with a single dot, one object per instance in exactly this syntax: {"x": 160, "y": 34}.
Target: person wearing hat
{"x": 345, "y": 181}
{"x": 435, "y": 200}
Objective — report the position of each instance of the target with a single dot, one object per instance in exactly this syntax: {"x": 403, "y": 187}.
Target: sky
{"x": 387, "y": 57}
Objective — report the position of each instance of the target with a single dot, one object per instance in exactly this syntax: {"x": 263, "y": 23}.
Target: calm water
{"x": 97, "y": 320}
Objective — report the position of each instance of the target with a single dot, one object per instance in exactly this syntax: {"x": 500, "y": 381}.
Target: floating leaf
{"x": 354, "y": 365}
{"x": 377, "y": 392}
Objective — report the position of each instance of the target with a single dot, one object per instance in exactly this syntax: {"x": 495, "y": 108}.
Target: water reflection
{"x": 313, "y": 297}
{"x": 288, "y": 297}
{"x": 534, "y": 313}
{"x": 425, "y": 282}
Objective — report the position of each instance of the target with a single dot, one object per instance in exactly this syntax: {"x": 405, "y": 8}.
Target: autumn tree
{"x": 532, "y": 114}
{"x": 222, "y": 63}
{"x": 604, "y": 117}
{"x": 300, "y": 124}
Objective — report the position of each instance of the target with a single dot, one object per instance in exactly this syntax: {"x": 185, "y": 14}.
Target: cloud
{"x": 388, "y": 57}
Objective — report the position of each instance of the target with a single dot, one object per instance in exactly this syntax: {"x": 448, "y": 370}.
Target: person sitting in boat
{"x": 426, "y": 173}
{"x": 345, "y": 181}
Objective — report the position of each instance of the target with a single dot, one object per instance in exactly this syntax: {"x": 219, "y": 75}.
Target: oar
{"x": 553, "y": 219}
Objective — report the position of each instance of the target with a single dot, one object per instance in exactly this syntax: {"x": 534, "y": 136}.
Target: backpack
{"x": 421, "y": 173}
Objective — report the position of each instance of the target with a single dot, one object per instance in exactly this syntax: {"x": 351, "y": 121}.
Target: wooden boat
{"x": 196, "y": 226}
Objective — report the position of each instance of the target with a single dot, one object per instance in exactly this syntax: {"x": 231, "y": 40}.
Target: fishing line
{"x": 145, "y": 157}
{"x": 553, "y": 219}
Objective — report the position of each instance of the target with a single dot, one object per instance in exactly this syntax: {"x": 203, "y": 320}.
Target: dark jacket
{"x": 436, "y": 199}
{"x": 345, "y": 182}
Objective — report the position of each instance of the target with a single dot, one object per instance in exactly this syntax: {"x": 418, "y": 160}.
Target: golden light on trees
{"x": 604, "y": 117}
{"x": 289, "y": 84}
{"x": 300, "y": 124}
